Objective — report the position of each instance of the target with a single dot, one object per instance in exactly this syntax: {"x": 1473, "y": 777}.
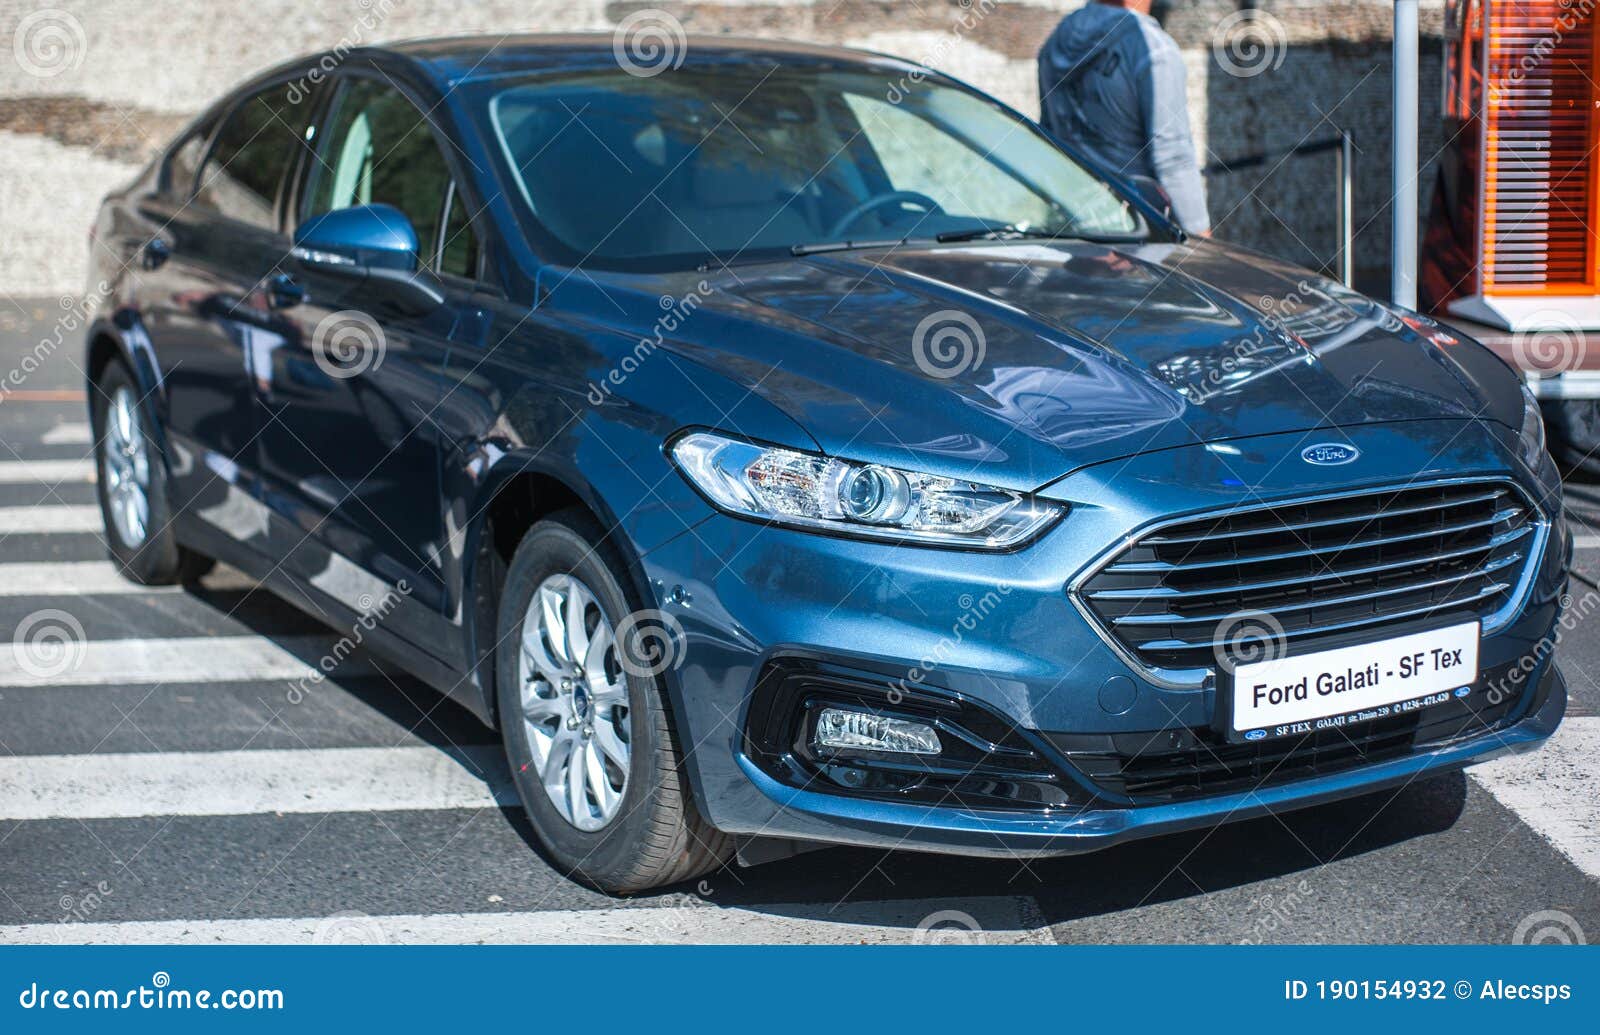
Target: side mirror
{"x": 374, "y": 246}
{"x": 1153, "y": 194}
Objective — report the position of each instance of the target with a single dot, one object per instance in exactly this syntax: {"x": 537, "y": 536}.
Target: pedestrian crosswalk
{"x": 350, "y": 800}
{"x": 239, "y": 783}
{"x": 50, "y": 518}
{"x": 46, "y": 472}
{"x": 987, "y": 920}
{"x": 199, "y": 659}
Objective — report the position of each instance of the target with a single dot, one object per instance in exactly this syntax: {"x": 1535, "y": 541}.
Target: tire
{"x": 654, "y": 835}
{"x": 154, "y": 557}
{"x": 1574, "y": 426}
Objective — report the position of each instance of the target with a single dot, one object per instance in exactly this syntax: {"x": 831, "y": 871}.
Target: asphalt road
{"x": 167, "y": 788}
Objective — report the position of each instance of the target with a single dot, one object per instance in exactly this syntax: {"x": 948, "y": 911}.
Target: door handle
{"x": 284, "y": 292}
{"x": 155, "y": 253}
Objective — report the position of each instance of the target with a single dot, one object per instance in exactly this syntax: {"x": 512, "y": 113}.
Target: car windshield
{"x": 690, "y": 165}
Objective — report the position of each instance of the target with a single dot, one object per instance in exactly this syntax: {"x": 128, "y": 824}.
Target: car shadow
{"x": 819, "y": 885}
{"x": 903, "y": 889}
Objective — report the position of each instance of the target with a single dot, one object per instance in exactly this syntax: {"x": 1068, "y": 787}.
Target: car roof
{"x": 454, "y": 59}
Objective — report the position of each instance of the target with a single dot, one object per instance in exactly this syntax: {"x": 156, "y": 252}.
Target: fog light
{"x": 863, "y": 731}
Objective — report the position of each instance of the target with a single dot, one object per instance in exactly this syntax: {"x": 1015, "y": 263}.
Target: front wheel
{"x": 132, "y": 487}
{"x": 585, "y": 721}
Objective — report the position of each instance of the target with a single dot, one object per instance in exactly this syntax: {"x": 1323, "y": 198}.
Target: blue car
{"x": 785, "y": 446}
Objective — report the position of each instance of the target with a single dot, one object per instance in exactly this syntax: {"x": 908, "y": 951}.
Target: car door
{"x": 208, "y": 299}
{"x": 349, "y": 451}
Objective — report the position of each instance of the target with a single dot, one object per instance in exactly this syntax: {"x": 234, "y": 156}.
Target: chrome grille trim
{"x": 1160, "y": 567}
{"x": 1165, "y": 593}
{"x": 1214, "y": 617}
{"x": 1300, "y": 526}
{"x": 1499, "y": 597}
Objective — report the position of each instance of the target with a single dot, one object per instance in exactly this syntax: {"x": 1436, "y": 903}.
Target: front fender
{"x": 122, "y": 331}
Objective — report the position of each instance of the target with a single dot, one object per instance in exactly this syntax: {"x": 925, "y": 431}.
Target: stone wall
{"x": 90, "y": 88}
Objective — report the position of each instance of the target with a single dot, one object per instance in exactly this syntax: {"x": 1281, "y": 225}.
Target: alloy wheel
{"x": 575, "y": 702}
{"x": 125, "y": 466}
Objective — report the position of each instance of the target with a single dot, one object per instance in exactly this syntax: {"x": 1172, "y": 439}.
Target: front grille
{"x": 1309, "y": 572}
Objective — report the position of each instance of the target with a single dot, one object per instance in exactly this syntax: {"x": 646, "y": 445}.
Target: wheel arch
{"x": 519, "y": 492}
{"x": 122, "y": 337}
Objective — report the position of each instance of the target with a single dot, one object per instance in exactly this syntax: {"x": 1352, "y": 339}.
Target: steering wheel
{"x": 877, "y": 201}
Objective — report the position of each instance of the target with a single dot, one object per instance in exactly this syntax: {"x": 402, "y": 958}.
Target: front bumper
{"x": 1001, "y": 631}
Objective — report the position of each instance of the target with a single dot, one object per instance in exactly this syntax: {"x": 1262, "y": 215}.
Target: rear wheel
{"x": 132, "y": 487}
{"x": 587, "y": 731}
{"x": 1574, "y": 426}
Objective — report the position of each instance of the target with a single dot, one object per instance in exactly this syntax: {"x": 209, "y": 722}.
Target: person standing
{"x": 1113, "y": 82}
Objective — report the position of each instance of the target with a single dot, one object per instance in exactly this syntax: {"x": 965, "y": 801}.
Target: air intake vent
{"x": 1321, "y": 569}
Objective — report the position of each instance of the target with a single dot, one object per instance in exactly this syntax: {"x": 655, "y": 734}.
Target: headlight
{"x": 804, "y": 490}
{"x": 1530, "y": 442}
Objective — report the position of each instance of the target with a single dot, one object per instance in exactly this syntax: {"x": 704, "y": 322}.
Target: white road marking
{"x": 199, "y": 659}
{"x": 71, "y": 433}
{"x": 997, "y": 919}
{"x": 241, "y": 783}
{"x": 1586, "y": 542}
{"x": 94, "y": 578}
{"x": 48, "y": 472}
{"x": 69, "y": 578}
{"x": 50, "y": 518}
{"x": 1553, "y": 790}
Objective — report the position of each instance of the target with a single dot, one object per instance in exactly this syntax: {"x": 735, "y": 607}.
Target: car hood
{"x": 1016, "y": 363}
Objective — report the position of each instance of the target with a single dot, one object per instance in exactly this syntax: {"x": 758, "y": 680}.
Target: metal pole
{"x": 1404, "y": 284}
{"x": 1347, "y": 233}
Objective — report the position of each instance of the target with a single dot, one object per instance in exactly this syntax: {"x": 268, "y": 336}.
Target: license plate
{"x": 1334, "y": 688}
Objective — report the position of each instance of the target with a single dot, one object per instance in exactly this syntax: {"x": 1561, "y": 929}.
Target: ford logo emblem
{"x": 1256, "y": 735}
{"x": 1329, "y": 454}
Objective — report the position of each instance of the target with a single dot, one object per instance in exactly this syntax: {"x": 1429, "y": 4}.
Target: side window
{"x": 184, "y": 162}
{"x": 253, "y": 150}
{"x": 379, "y": 150}
{"x": 458, "y": 251}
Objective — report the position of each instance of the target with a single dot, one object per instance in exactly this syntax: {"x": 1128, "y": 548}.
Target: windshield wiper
{"x": 999, "y": 233}
{"x": 845, "y": 246}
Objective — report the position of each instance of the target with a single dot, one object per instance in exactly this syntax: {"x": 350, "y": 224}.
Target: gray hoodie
{"x": 1112, "y": 82}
